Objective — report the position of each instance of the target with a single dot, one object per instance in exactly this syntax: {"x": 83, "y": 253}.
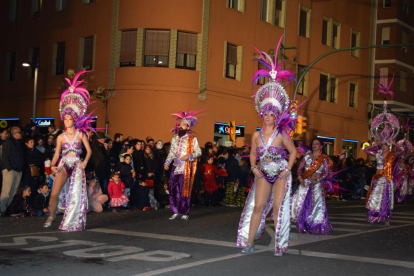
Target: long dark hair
{"x": 320, "y": 142}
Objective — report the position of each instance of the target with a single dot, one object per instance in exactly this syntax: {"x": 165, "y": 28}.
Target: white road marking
{"x": 119, "y": 250}
{"x": 350, "y": 258}
{"x": 363, "y": 219}
{"x": 166, "y": 237}
{"x": 66, "y": 243}
{"x": 22, "y": 240}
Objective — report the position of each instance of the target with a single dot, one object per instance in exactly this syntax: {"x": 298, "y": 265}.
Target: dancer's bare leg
{"x": 60, "y": 181}
{"x": 261, "y": 196}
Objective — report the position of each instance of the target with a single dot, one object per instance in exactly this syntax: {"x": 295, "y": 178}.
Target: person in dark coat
{"x": 33, "y": 159}
{"x": 232, "y": 168}
{"x": 13, "y": 161}
{"x": 127, "y": 175}
{"x": 100, "y": 162}
{"x": 50, "y": 147}
{"x": 20, "y": 205}
{"x": 41, "y": 200}
{"x": 116, "y": 147}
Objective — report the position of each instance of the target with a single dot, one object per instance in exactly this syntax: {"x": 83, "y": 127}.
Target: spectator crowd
{"x": 128, "y": 173}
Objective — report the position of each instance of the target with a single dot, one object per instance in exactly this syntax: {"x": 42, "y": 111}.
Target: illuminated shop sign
{"x": 45, "y": 122}
{"x": 224, "y": 129}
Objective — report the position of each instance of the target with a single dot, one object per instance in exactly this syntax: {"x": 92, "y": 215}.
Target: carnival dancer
{"x": 273, "y": 180}
{"x": 66, "y": 163}
{"x": 184, "y": 152}
{"x": 308, "y": 203}
{"x": 401, "y": 171}
{"x": 384, "y": 128}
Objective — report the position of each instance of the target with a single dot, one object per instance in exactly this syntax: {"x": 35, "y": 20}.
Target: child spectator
{"x": 232, "y": 168}
{"x": 96, "y": 198}
{"x": 221, "y": 181}
{"x": 141, "y": 199}
{"x": 20, "y": 204}
{"x": 127, "y": 175}
{"x": 116, "y": 189}
{"x": 41, "y": 200}
{"x": 243, "y": 176}
{"x": 209, "y": 172}
{"x": 164, "y": 199}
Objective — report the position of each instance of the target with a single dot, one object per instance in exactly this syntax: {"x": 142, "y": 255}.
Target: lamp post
{"x": 36, "y": 71}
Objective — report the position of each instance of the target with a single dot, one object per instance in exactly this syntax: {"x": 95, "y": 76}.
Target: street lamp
{"x": 36, "y": 69}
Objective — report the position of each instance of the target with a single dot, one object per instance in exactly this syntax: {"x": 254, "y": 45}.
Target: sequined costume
{"x": 401, "y": 172}
{"x": 308, "y": 203}
{"x": 271, "y": 99}
{"x": 73, "y": 199}
{"x": 270, "y": 170}
{"x": 182, "y": 172}
{"x": 381, "y": 199}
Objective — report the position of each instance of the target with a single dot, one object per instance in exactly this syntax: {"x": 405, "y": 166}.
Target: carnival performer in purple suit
{"x": 308, "y": 203}
{"x": 273, "y": 180}
{"x": 184, "y": 153}
{"x": 384, "y": 128}
{"x": 70, "y": 182}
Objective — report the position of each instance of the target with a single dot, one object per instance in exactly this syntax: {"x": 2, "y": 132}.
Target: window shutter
{"x": 232, "y": 54}
{"x": 187, "y": 43}
{"x": 157, "y": 43}
{"x": 128, "y": 46}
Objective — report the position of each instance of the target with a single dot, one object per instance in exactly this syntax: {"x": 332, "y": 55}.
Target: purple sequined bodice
{"x": 267, "y": 151}
{"x": 71, "y": 146}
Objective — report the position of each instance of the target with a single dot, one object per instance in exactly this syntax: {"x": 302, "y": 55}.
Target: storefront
{"x": 9, "y": 122}
{"x": 328, "y": 144}
{"x": 221, "y": 132}
{"x": 350, "y": 147}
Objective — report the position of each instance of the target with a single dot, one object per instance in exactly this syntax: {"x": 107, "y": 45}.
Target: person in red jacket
{"x": 116, "y": 189}
{"x": 209, "y": 173}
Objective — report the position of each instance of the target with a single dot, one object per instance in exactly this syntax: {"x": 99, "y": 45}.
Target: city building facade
{"x": 151, "y": 58}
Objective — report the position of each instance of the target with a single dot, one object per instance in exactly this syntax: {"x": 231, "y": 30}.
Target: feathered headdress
{"x": 385, "y": 126}
{"x": 74, "y": 101}
{"x": 189, "y": 117}
{"x": 272, "y": 96}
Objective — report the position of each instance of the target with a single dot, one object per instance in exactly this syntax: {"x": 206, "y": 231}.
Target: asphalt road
{"x": 147, "y": 243}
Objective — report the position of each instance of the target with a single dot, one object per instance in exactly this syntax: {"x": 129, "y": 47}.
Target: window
{"x": 278, "y": 13}
{"x": 271, "y": 12}
{"x": 404, "y": 39}
{"x": 303, "y": 83}
{"x": 333, "y": 89}
{"x": 11, "y": 66}
{"x": 157, "y": 48}
{"x": 384, "y": 72}
{"x": 263, "y": 80}
{"x": 385, "y": 35}
{"x": 234, "y": 4}
{"x": 61, "y": 5}
{"x": 386, "y": 3}
{"x": 128, "y": 52}
{"x": 60, "y": 58}
{"x": 336, "y": 30}
{"x": 304, "y": 21}
{"x": 14, "y": 10}
{"x": 325, "y": 24}
{"x": 88, "y": 53}
{"x": 353, "y": 89}
{"x": 36, "y": 7}
{"x": 231, "y": 61}
{"x": 186, "y": 50}
{"x": 88, "y": 1}
{"x": 403, "y": 84}
{"x": 406, "y": 6}
{"x": 355, "y": 38}
{"x": 264, "y": 10}
{"x": 323, "y": 87}
{"x": 34, "y": 53}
